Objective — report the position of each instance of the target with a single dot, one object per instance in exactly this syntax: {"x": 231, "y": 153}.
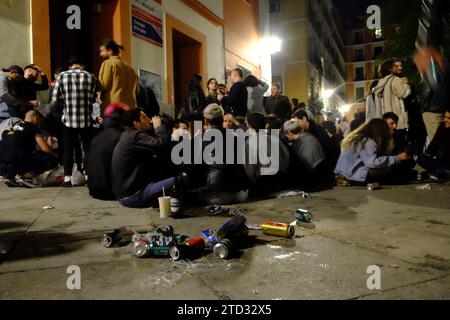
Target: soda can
{"x": 373, "y": 186}
{"x": 141, "y": 247}
{"x": 175, "y": 206}
{"x": 165, "y": 230}
{"x": 111, "y": 238}
{"x": 278, "y": 229}
{"x": 223, "y": 249}
{"x": 303, "y": 215}
{"x": 192, "y": 248}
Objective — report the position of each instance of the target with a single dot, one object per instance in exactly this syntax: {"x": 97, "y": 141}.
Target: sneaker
{"x": 27, "y": 183}
{"x": 438, "y": 178}
{"x": 10, "y": 182}
{"x": 67, "y": 184}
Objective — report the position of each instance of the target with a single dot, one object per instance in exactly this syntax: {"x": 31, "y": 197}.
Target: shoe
{"x": 438, "y": 178}
{"x": 67, "y": 184}
{"x": 10, "y": 183}
{"x": 27, "y": 183}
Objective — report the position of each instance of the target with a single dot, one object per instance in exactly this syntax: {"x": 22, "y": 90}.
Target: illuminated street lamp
{"x": 270, "y": 45}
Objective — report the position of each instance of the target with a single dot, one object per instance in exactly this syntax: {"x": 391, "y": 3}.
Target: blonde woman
{"x": 366, "y": 155}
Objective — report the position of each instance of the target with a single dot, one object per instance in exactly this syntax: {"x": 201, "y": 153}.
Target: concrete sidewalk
{"x": 403, "y": 230}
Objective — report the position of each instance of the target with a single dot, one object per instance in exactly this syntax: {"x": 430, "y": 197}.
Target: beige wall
{"x": 242, "y": 35}
{"x": 153, "y": 58}
{"x": 15, "y": 33}
{"x": 216, "y": 6}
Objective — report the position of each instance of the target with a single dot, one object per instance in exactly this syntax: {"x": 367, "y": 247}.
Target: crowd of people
{"x": 125, "y": 150}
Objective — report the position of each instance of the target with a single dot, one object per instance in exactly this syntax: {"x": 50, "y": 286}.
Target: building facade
{"x": 363, "y": 46}
{"x": 166, "y": 41}
{"x": 311, "y": 65}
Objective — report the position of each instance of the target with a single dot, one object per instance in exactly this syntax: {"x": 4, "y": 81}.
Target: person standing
{"x": 77, "y": 89}
{"x": 212, "y": 88}
{"x": 196, "y": 96}
{"x": 119, "y": 83}
{"x": 278, "y": 105}
{"x": 236, "y": 102}
{"x": 256, "y": 90}
{"x": 390, "y": 93}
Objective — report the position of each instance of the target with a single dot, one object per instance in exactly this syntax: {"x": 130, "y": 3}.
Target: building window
{"x": 358, "y": 37}
{"x": 378, "y": 34}
{"x": 359, "y": 54}
{"x": 274, "y": 6}
{"x": 359, "y": 73}
{"x": 360, "y": 93}
{"x": 377, "y": 51}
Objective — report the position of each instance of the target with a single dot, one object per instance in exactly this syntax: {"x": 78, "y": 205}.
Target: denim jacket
{"x": 355, "y": 165}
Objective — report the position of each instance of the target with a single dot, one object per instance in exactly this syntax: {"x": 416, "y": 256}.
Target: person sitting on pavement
{"x": 335, "y": 144}
{"x": 18, "y": 156}
{"x": 10, "y": 104}
{"x": 366, "y": 156}
{"x": 100, "y": 157}
{"x": 436, "y": 159}
{"x": 406, "y": 168}
{"x": 328, "y": 145}
{"x": 218, "y": 183}
{"x": 271, "y": 176}
{"x": 308, "y": 160}
{"x": 135, "y": 182}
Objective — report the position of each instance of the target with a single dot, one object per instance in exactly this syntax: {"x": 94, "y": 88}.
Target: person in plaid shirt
{"x": 77, "y": 90}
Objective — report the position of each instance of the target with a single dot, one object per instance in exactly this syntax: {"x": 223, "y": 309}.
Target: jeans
{"x": 434, "y": 165}
{"x": 38, "y": 163}
{"x": 71, "y": 139}
{"x": 144, "y": 198}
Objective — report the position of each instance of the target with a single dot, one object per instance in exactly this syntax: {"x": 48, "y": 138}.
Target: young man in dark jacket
{"x": 135, "y": 180}
{"x": 220, "y": 183}
{"x": 236, "y": 102}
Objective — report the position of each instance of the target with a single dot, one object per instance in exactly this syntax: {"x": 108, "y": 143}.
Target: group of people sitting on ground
{"x": 227, "y": 145}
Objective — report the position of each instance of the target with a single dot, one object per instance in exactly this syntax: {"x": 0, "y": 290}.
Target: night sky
{"x": 351, "y": 9}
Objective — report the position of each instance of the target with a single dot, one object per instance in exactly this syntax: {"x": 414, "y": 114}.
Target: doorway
{"x": 97, "y": 24}
{"x": 185, "y": 56}
{"x": 186, "y": 64}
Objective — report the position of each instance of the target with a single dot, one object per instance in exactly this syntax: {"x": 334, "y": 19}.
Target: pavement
{"x": 402, "y": 231}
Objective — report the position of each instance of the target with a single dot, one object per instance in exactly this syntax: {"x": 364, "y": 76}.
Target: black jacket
{"x": 236, "y": 102}
{"x": 27, "y": 90}
{"x": 134, "y": 159}
{"x": 99, "y": 164}
{"x": 279, "y": 107}
{"x": 222, "y": 177}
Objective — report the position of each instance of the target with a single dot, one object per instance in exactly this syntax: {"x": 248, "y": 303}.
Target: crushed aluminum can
{"x": 373, "y": 186}
{"x": 303, "y": 215}
{"x": 215, "y": 210}
{"x": 111, "y": 238}
{"x": 223, "y": 249}
{"x": 425, "y": 187}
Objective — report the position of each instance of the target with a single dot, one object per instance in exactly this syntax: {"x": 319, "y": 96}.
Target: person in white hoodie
{"x": 390, "y": 92}
{"x": 256, "y": 90}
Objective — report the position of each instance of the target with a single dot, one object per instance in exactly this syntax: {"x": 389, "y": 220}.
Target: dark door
{"x": 65, "y": 42}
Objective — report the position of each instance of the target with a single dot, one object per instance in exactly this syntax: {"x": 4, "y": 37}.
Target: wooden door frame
{"x": 171, "y": 24}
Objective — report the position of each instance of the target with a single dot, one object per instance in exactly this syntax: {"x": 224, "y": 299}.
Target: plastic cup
{"x": 164, "y": 207}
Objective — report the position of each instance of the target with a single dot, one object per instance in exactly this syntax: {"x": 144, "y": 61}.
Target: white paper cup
{"x": 164, "y": 207}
